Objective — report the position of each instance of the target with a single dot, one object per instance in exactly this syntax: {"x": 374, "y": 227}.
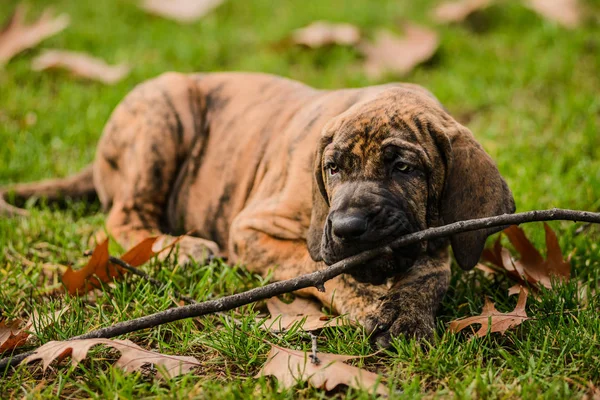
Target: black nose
{"x": 349, "y": 226}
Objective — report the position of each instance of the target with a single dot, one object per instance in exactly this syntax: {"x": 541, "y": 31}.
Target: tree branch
{"x": 317, "y": 279}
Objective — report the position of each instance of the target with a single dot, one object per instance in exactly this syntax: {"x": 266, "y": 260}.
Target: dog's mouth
{"x": 381, "y": 268}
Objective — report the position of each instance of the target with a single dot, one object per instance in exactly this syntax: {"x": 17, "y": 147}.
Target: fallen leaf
{"x": 133, "y": 357}
{"x": 80, "y": 64}
{"x": 323, "y": 33}
{"x": 141, "y": 253}
{"x": 100, "y": 270}
{"x": 531, "y": 268}
{"x": 185, "y": 11}
{"x": 457, "y": 11}
{"x": 517, "y": 288}
{"x": 16, "y": 36}
{"x": 534, "y": 267}
{"x": 494, "y": 320}
{"x": 486, "y": 269}
{"x": 565, "y": 12}
{"x": 82, "y": 280}
{"x": 304, "y": 312}
{"x": 37, "y": 322}
{"x": 11, "y": 335}
{"x": 399, "y": 55}
{"x": 16, "y": 333}
{"x": 290, "y": 366}
{"x": 593, "y": 392}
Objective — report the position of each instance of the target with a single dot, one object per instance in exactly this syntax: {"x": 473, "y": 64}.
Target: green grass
{"x": 527, "y": 88}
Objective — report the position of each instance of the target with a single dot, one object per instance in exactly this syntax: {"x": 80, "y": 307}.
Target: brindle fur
{"x": 238, "y": 159}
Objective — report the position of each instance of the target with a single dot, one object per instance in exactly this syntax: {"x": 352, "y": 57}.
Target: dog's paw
{"x": 392, "y": 319}
{"x": 186, "y": 248}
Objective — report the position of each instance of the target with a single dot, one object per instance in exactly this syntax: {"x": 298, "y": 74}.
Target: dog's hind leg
{"x": 142, "y": 148}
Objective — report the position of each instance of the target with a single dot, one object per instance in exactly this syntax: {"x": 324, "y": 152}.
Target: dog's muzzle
{"x": 350, "y": 232}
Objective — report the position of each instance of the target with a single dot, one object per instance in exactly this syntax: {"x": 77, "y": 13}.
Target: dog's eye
{"x": 332, "y": 168}
{"x": 402, "y": 167}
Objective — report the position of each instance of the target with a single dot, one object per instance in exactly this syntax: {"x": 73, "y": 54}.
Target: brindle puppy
{"x": 280, "y": 176}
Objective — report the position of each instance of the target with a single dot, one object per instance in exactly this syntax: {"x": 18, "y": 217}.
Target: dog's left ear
{"x": 474, "y": 188}
{"x": 320, "y": 204}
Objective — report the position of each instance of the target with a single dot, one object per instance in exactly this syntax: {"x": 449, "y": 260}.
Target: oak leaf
{"x": 457, "y": 11}
{"x": 323, "y": 33}
{"x": 17, "y": 36}
{"x": 11, "y": 335}
{"x": 100, "y": 270}
{"x": 185, "y": 11}
{"x": 494, "y": 320}
{"x": 531, "y": 267}
{"x": 399, "y": 55}
{"x": 80, "y": 64}
{"x": 16, "y": 333}
{"x": 290, "y": 366}
{"x": 133, "y": 357}
{"x": 304, "y": 312}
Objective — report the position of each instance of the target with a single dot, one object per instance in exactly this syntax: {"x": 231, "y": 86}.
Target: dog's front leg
{"x": 269, "y": 254}
{"x": 410, "y": 306}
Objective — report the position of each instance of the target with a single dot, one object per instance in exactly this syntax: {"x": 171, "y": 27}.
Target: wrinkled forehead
{"x": 399, "y": 118}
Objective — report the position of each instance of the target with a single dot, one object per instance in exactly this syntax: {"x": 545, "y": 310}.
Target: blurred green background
{"x": 528, "y": 88}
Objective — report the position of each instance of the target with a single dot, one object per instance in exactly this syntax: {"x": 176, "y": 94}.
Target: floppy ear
{"x": 320, "y": 204}
{"x": 473, "y": 189}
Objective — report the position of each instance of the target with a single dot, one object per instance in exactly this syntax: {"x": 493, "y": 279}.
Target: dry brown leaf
{"x": 517, "y": 288}
{"x": 486, "y": 269}
{"x": 532, "y": 264}
{"x": 565, "y": 12}
{"x": 323, "y": 33}
{"x": 80, "y": 64}
{"x": 133, "y": 357}
{"x": 37, "y": 322}
{"x": 531, "y": 268}
{"x": 11, "y": 335}
{"x": 304, "y": 312}
{"x": 494, "y": 319}
{"x": 593, "y": 392}
{"x": 16, "y": 333}
{"x": 140, "y": 253}
{"x": 290, "y": 366}
{"x": 185, "y": 11}
{"x": 99, "y": 270}
{"x": 457, "y": 11}
{"x": 399, "y": 55}
{"x": 16, "y": 36}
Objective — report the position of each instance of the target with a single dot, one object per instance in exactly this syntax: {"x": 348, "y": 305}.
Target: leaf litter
{"x": 184, "y": 11}
{"x": 390, "y": 53}
{"x": 132, "y": 359}
{"x": 492, "y": 319}
{"x": 323, "y": 33}
{"x": 303, "y": 312}
{"x": 80, "y": 64}
{"x": 291, "y": 366}
{"x": 16, "y": 333}
{"x": 567, "y": 13}
{"x": 100, "y": 270}
{"x": 17, "y": 36}
{"x": 457, "y": 11}
{"x": 531, "y": 268}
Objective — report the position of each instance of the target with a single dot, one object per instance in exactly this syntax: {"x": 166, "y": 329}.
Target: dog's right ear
{"x": 320, "y": 204}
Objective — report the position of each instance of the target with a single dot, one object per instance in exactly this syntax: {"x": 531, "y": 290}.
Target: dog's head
{"x": 395, "y": 164}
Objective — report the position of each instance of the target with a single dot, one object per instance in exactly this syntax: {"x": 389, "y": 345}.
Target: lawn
{"x": 528, "y": 88}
